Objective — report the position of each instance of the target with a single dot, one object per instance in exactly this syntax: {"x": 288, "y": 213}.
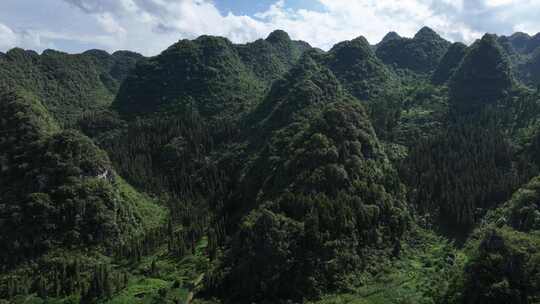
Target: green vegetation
{"x": 420, "y": 54}
{"x": 273, "y": 172}
{"x": 449, "y": 63}
{"x": 484, "y": 76}
{"x": 66, "y": 84}
{"x": 206, "y": 74}
{"x": 359, "y": 70}
{"x": 421, "y": 274}
{"x": 328, "y": 195}
{"x": 503, "y": 255}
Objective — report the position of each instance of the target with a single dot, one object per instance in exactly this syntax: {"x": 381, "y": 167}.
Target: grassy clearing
{"x": 161, "y": 278}
{"x": 419, "y": 276}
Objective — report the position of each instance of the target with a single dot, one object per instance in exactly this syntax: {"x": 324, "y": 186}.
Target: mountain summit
{"x": 483, "y": 77}
{"x": 449, "y": 63}
{"x": 278, "y": 36}
{"x": 420, "y": 54}
{"x": 273, "y": 172}
{"x": 363, "y": 74}
{"x": 390, "y": 36}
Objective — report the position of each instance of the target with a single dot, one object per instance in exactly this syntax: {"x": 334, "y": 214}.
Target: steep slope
{"x": 483, "y": 78}
{"x": 533, "y": 44}
{"x": 521, "y": 43}
{"x": 449, "y": 63}
{"x": 53, "y": 174}
{"x": 470, "y": 166}
{"x": 457, "y": 175}
{"x": 523, "y": 52}
{"x": 272, "y": 57}
{"x": 420, "y": 54}
{"x": 278, "y": 166}
{"x": 205, "y": 74}
{"x": 505, "y": 256}
{"x": 320, "y": 191}
{"x": 59, "y": 194}
{"x": 66, "y": 84}
{"x": 116, "y": 66}
{"x": 529, "y": 71}
{"x": 210, "y": 75}
{"x": 389, "y": 36}
{"x": 358, "y": 69}
{"x": 189, "y": 101}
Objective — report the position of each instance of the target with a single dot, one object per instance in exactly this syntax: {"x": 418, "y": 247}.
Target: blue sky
{"x": 149, "y": 26}
{"x": 243, "y": 7}
{"x": 251, "y": 7}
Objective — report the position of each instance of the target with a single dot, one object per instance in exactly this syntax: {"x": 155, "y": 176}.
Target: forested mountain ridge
{"x": 272, "y": 172}
{"x": 65, "y": 83}
{"x": 449, "y": 63}
{"x": 321, "y": 155}
{"x": 60, "y": 192}
{"x": 420, "y": 54}
{"x": 209, "y": 74}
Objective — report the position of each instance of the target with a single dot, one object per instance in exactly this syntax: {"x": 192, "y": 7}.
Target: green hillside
{"x": 272, "y": 172}
{"x": 420, "y": 54}
{"x": 67, "y": 84}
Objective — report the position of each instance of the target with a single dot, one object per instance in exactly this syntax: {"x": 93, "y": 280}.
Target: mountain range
{"x": 273, "y": 172}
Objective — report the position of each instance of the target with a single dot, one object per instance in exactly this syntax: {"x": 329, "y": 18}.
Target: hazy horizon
{"x": 149, "y": 26}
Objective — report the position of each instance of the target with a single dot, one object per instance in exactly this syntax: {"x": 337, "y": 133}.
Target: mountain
{"x": 522, "y": 43}
{"x": 390, "y": 36}
{"x": 209, "y": 74}
{"x": 504, "y": 254}
{"x": 206, "y": 74}
{"x": 185, "y": 103}
{"x": 272, "y": 57}
{"x": 320, "y": 154}
{"x": 272, "y": 172}
{"x": 529, "y": 71}
{"x": 65, "y": 83}
{"x": 118, "y": 65}
{"x": 449, "y": 63}
{"x": 358, "y": 69}
{"x": 534, "y": 43}
{"x": 61, "y": 198}
{"x": 460, "y": 173}
{"x": 522, "y": 51}
{"x": 421, "y": 54}
{"x": 484, "y": 76}
{"x": 471, "y": 143}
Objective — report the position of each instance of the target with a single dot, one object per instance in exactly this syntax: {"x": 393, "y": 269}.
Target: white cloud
{"x": 347, "y": 19}
{"x": 110, "y": 25}
{"x": 162, "y": 22}
{"x": 8, "y": 39}
{"x": 495, "y": 3}
{"x": 149, "y": 26}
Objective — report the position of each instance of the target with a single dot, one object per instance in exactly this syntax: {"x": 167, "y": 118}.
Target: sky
{"x": 150, "y": 26}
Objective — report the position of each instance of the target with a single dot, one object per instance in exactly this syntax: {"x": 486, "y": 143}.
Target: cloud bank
{"x": 149, "y": 26}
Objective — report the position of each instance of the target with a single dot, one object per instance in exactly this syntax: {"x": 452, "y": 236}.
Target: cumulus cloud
{"x": 152, "y": 25}
{"x": 161, "y": 22}
{"x": 8, "y": 39}
{"x": 149, "y": 26}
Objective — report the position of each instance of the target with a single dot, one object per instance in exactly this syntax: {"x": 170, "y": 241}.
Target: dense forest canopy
{"x": 273, "y": 172}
